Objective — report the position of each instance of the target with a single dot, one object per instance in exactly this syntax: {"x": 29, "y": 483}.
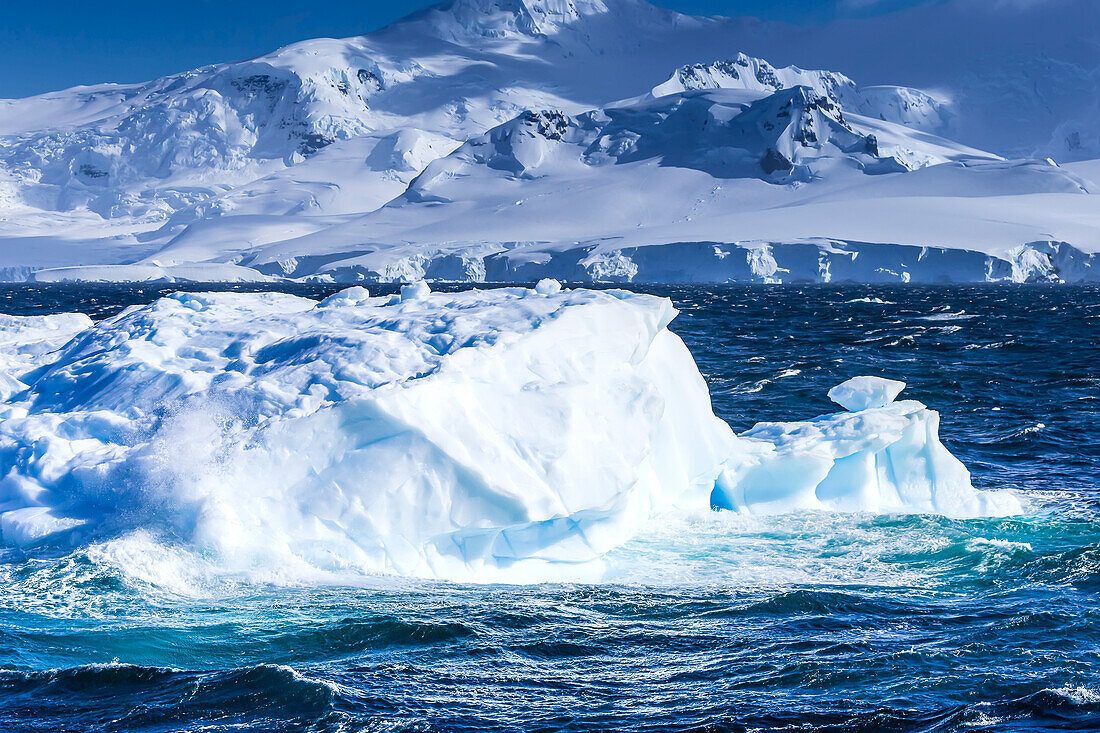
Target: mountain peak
{"x": 903, "y": 105}
{"x": 503, "y": 18}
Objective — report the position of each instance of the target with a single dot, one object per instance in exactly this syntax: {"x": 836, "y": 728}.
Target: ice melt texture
{"x": 504, "y": 435}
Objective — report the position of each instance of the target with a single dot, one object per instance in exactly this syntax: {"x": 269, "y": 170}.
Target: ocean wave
{"x": 1074, "y": 707}
{"x": 1077, "y": 695}
{"x": 1023, "y": 434}
{"x": 1036, "y": 428}
{"x": 995, "y": 553}
{"x": 1013, "y": 562}
{"x": 808, "y": 621}
{"x": 1008, "y": 343}
{"x": 997, "y": 545}
{"x": 760, "y": 384}
{"x": 947, "y": 316}
{"x": 904, "y": 341}
{"x": 805, "y": 550}
{"x": 817, "y": 550}
{"x": 814, "y": 602}
{"x": 137, "y": 696}
{"x": 86, "y": 677}
{"x": 354, "y": 635}
{"x": 890, "y": 341}
{"x": 753, "y": 388}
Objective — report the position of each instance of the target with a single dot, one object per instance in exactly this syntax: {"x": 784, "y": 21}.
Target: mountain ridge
{"x": 233, "y": 157}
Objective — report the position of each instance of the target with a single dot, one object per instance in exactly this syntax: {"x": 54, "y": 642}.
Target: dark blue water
{"x": 804, "y": 622}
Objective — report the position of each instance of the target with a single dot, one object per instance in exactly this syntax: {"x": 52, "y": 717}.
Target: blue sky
{"x": 53, "y": 45}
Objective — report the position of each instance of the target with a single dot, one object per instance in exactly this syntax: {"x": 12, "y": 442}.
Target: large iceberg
{"x": 27, "y": 341}
{"x": 509, "y": 434}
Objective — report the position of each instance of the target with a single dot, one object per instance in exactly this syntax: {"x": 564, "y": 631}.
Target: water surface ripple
{"x": 708, "y": 622}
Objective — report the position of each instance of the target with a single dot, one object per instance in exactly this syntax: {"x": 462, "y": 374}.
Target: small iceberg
{"x": 865, "y": 393}
{"x": 880, "y": 456}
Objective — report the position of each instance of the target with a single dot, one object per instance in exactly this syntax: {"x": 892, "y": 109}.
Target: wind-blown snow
{"x": 510, "y": 434}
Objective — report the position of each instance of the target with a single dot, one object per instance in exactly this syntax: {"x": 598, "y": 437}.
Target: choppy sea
{"x": 707, "y": 623}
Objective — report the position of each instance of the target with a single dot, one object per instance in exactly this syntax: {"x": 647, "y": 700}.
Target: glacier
{"x": 328, "y": 158}
{"x": 503, "y": 435}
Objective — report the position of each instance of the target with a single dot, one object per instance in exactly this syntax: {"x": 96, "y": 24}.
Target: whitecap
{"x": 871, "y": 301}
{"x": 981, "y": 544}
{"x": 1077, "y": 695}
{"x": 949, "y": 316}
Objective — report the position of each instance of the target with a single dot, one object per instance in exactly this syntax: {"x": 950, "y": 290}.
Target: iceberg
{"x": 884, "y": 459}
{"x": 27, "y": 341}
{"x": 503, "y": 435}
{"x": 438, "y": 435}
{"x": 864, "y": 393}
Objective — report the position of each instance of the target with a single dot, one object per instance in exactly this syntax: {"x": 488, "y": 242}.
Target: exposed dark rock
{"x": 312, "y": 142}
{"x": 550, "y": 124}
{"x": 90, "y": 171}
{"x": 370, "y": 80}
{"x": 774, "y": 161}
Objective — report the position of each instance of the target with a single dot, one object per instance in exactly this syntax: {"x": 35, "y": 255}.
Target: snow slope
{"x": 271, "y": 162}
{"x": 510, "y": 434}
{"x": 710, "y": 185}
{"x": 910, "y": 107}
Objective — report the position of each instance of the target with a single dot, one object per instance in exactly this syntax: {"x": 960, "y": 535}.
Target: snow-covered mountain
{"x": 375, "y": 156}
{"x": 911, "y": 107}
{"x": 653, "y": 190}
{"x": 783, "y": 137}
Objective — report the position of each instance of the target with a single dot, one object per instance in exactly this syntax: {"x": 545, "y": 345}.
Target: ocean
{"x": 708, "y": 622}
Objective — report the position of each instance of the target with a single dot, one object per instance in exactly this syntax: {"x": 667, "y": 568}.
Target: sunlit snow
{"x": 510, "y": 434}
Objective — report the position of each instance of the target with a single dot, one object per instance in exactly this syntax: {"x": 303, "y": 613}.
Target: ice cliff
{"x": 503, "y": 435}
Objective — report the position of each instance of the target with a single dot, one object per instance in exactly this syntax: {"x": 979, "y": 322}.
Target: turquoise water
{"x": 707, "y": 622}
